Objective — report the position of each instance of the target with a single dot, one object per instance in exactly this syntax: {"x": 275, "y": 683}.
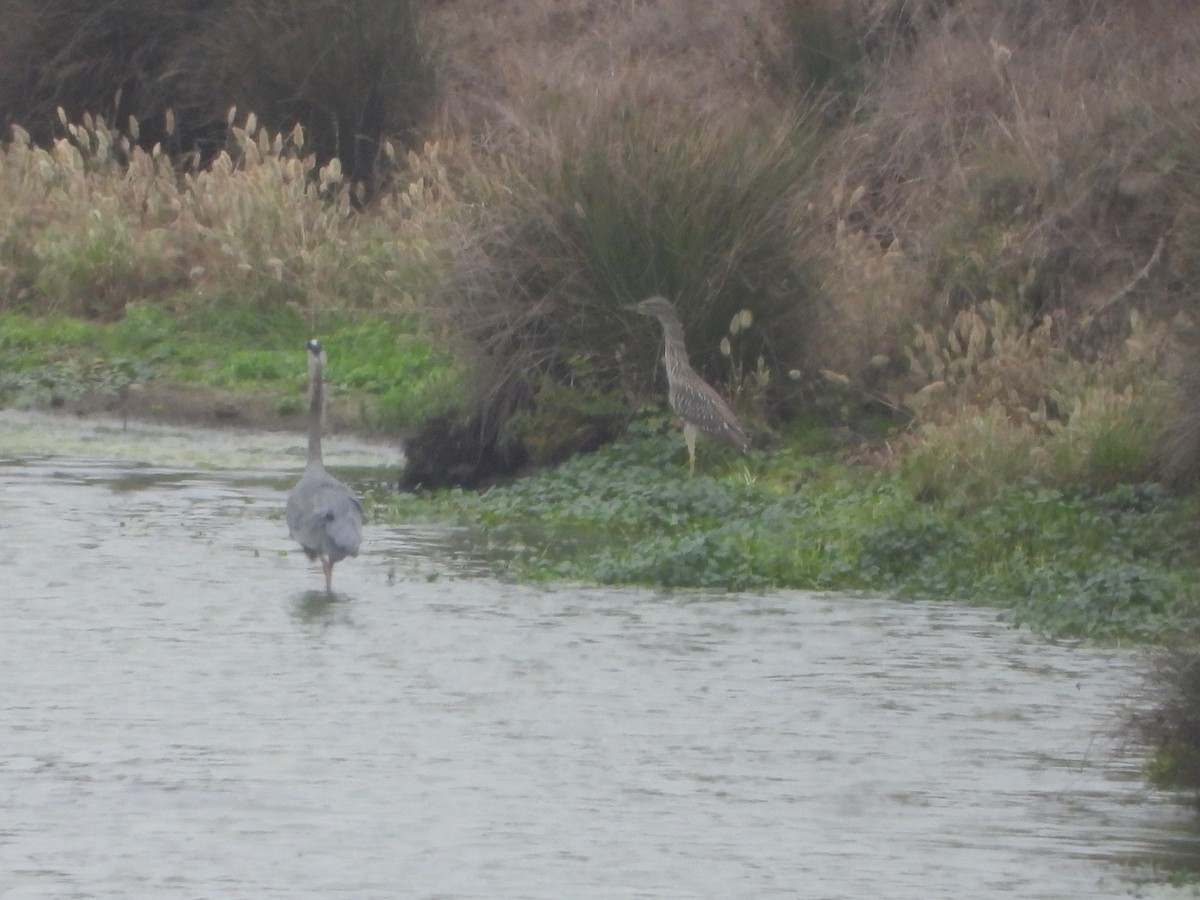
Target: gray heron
{"x": 322, "y": 513}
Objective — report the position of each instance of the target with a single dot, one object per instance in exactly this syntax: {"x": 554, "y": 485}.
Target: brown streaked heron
{"x": 322, "y": 513}
{"x": 693, "y": 399}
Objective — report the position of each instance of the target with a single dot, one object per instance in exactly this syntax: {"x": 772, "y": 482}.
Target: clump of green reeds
{"x": 624, "y": 200}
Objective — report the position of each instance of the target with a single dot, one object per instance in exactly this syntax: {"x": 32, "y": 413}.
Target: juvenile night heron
{"x": 322, "y": 513}
{"x": 692, "y": 398}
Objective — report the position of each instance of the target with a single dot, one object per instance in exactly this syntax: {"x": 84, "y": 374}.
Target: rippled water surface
{"x": 185, "y": 714}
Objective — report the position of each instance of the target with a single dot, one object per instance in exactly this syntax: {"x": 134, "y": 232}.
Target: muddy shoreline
{"x": 184, "y": 428}
{"x": 173, "y": 404}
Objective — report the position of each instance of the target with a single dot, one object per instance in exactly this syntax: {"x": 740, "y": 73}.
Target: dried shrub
{"x": 94, "y": 223}
{"x": 1015, "y": 152}
{"x": 1013, "y": 227}
{"x": 352, "y": 73}
{"x": 999, "y": 404}
{"x": 866, "y": 312}
{"x": 507, "y": 63}
{"x": 1181, "y": 450}
{"x": 1181, "y": 436}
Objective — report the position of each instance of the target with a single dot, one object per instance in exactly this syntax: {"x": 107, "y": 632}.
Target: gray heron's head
{"x": 316, "y": 354}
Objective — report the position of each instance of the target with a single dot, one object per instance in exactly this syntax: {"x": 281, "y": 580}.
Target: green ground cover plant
{"x": 1110, "y": 565}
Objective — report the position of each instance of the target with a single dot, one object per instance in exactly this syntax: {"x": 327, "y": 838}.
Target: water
{"x": 185, "y": 714}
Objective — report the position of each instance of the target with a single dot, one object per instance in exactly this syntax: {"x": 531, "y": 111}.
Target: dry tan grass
{"x": 1018, "y": 153}
{"x": 93, "y": 224}
{"x": 1059, "y": 101}
{"x": 510, "y": 62}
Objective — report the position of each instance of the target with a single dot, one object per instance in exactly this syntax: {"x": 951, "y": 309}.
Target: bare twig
{"x": 1142, "y": 274}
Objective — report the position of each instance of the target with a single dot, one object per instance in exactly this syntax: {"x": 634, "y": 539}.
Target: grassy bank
{"x": 229, "y": 355}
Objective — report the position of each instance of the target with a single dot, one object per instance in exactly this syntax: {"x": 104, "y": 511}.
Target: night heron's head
{"x": 655, "y": 306}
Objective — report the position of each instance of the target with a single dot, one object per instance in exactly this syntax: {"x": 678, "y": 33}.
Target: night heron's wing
{"x": 698, "y": 404}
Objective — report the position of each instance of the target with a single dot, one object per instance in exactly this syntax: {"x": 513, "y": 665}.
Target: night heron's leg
{"x": 689, "y": 437}
{"x": 328, "y": 567}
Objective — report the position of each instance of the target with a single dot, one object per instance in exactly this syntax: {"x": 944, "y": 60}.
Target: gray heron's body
{"x": 322, "y": 513}
{"x": 701, "y": 408}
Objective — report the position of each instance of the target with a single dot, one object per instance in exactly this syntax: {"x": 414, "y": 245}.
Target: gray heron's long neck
{"x": 316, "y": 402}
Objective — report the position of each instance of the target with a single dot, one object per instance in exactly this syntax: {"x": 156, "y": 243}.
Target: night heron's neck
{"x": 676, "y": 352}
{"x": 316, "y": 402}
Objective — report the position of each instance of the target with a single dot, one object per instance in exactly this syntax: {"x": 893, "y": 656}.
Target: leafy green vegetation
{"x": 1112, "y": 565}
